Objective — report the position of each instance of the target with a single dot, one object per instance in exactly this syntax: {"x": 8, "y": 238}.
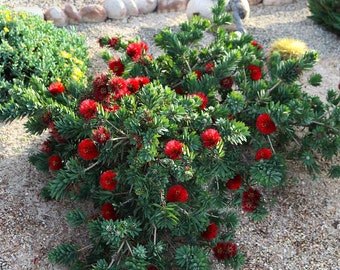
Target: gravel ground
{"x": 302, "y": 230}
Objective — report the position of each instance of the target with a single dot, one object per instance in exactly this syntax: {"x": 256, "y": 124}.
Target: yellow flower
{"x": 289, "y": 48}
{"x": 6, "y": 29}
{"x": 78, "y": 61}
{"x": 76, "y": 74}
{"x": 8, "y": 17}
{"x": 65, "y": 54}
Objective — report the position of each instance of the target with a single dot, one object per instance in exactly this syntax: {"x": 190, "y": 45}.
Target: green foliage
{"x": 326, "y": 13}
{"x": 34, "y": 54}
{"x": 168, "y": 161}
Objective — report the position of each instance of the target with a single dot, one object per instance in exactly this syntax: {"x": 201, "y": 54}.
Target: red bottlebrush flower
{"x": 203, "y": 98}
{"x": 108, "y": 212}
{"x": 263, "y": 153}
{"x": 151, "y": 267}
{"x": 119, "y": 87}
{"x": 100, "y": 90}
{"x": 46, "y": 118}
{"x": 173, "y": 149}
{"x": 134, "y": 50}
{"x": 101, "y": 135}
{"x": 144, "y": 46}
{"x": 87, "y": 149}
{"x": 210, "y": 137}
{"x": 211, "y": 232}
{"x": 209, "y": 67}
{"x": 55, "y": 134}
{"x": 250, "y": 199}
{"x": 46, "y": 147}
{"x": 234, "y": 183}
{"x": 111, "y": 108}
{"x": 179, "y": 90}
{"x": 198, "y": 74}
{"x": 133, "y": 84}
{"x": 255, "y": 72}
{"x": 177, "y": 193}
{"x": 88, "y": 108}
{"x": 107, "y": 180}
{"x": 256, "y": 44}
{"x": 55, "y": 163}
{"x": 116, "y": 66}
{"x": 224, "y": 250}
{"x": 265, "y": 124}
{"x": 56, "y": 88}
{"x": 227, "y": 82}
{"x": 113, "y": 42}
{"x": 142, "y": 80}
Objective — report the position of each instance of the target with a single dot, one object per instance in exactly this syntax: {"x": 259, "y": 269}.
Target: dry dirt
{"x": 302, "y": 230}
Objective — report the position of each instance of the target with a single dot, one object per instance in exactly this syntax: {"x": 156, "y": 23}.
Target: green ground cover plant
{"x": 169, "y": 150}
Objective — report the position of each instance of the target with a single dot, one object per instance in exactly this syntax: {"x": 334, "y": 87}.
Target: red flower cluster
{"x": 177, "y": 193}
{"x": 116, "y": 66}
{"x": 255, "y": 72}
{"x": 108, "y": 180}
{"x": 210, "y": 137}
{"x": 173, "y": 149}
{"x": 87, "y": 149}
{"x": 209, "y": 67}
{"x": 121, "y": 87}
{"x": 56, "y": 88}
{"x": 47, "y": 117}
{"x": 55, "y": 163}
{"x": 135, "y": 50}
{"x": 203, "y": 98}
{"x": 211, "y": 232}
{"x": 263, "y": 153}
{"x": 224, "y": 250}
{"x": 234, "y": 183}
{"x": 151, "y": 267}
{"x": 265, "y": 124}
{"x": 46, "y": 147}
{"x": 227, "y": 82}
{"x": 250, "y": 199}
{"x": 88, "y": 108}
{"x": 108, "y": 212}
{"x": 55, "y": 134}
{"x": 100, "y": 90}
{"x": 257, "y": 45}
{"x": 198, "y": 74}
{"x": 113, "y": 42}
{"x": 101, "y": 135}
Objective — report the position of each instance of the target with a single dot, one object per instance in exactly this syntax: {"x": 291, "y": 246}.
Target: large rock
{"x": 93, "y": 13}
{"x": 131, "y": 7}
{"x": 146, "y": 6}
{"x": 34, "y": 10}
{"x": 254, "y": 2}
{"x": 115, "y": 9}
{"x": 72, "y": 14}
{"x": 57, "y": 16}
{"x": 199, "y": 7}
{"x": 276, "y": 2}
{"x": 171, "y": 5}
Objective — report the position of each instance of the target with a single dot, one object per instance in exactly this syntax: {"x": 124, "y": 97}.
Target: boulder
{"x": 56, "y": 15}
{"x": 171, "y": 5}
{"x": 72, "y": 14}
{"x": 93, "y": 13}
{"x": 254, "y": 2}
{"x": 115, "y": 9}
{"x": 146, "y": 6}
{"x": 199, "y": 7}
{"x": 131, "y": 7}
{"x": 34, "y": 10}
{"x": 276, "y": 2}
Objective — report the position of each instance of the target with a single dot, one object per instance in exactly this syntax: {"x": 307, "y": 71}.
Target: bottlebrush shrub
{"x": 170, "y": 149}
{"x": 33, "y": 55}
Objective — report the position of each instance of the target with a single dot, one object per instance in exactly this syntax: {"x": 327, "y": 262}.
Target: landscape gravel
{"x": 302, "y": 231}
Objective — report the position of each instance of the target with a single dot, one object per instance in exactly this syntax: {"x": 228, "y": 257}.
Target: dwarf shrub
{"x": 170, "y": 149}
{"x": 33, "y": 54}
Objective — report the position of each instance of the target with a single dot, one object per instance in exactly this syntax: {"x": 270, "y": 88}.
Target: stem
{"x": 271, "y": 145}
{"x": 155, "y": 234}
{"x": 91, "y": 166}
{"x": 275, "y": 85}
{"x": 86, "y": 247}
{"x": 119, "y": 130}
{"x": 324, "y": 125}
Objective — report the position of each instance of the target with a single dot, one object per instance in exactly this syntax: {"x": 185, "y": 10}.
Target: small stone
{"x": 171, "y": 5}
{"x": 199, "y": 7}
{"x": 93, "y": 14}
{"x": 115, "y": 9}
{"x": 56, "y": 15}
{"x": 34, "y": 10}
{"x": 131, "y": 7}
{"x": 72, "y": 14}
{"x": 276, "y": 2}
{"x": 146, "y": 6}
